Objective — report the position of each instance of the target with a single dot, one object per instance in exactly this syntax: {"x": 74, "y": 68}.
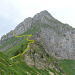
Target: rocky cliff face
{"x": 58, "y": 39}
{"x": 23, "y": 26}
{"x": 60, "y": 46}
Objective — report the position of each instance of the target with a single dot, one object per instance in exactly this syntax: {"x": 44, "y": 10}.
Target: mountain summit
{"x": 41, "y": 15}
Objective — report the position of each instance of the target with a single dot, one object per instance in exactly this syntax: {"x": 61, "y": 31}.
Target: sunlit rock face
{"x": 59, "y": 46}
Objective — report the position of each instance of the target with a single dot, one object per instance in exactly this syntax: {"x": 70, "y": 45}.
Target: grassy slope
{"x": 9, "y": 67}
{"x": 67, "y": 65}
{"x": 9, "y": 41}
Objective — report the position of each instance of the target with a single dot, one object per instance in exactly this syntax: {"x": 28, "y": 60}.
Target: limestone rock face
{"x": 3, "y": 37}
{"x": 23, "y": 26}
{"x": 20, "y": 29}
{"x": 10, "y": 34}
{"x": 61, "y": 47}
{"x": 27, "y": 23}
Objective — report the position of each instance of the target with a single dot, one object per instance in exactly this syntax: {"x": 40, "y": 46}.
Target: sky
{"x": 12, "y": 12}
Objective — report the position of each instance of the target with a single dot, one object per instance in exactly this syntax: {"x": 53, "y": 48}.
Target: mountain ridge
{"x": 57, "y": 38}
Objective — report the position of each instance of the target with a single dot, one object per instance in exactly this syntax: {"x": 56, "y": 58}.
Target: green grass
{"x": 11, "y": 67}
{"x": 8, "y": 67}
{"x": 68, "y": 66}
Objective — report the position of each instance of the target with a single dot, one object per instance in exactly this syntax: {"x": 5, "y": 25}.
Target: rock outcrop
{"x": 58, "y": 39}
{"x": 59, "y": 46}
{"x": 23, "y": 26}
